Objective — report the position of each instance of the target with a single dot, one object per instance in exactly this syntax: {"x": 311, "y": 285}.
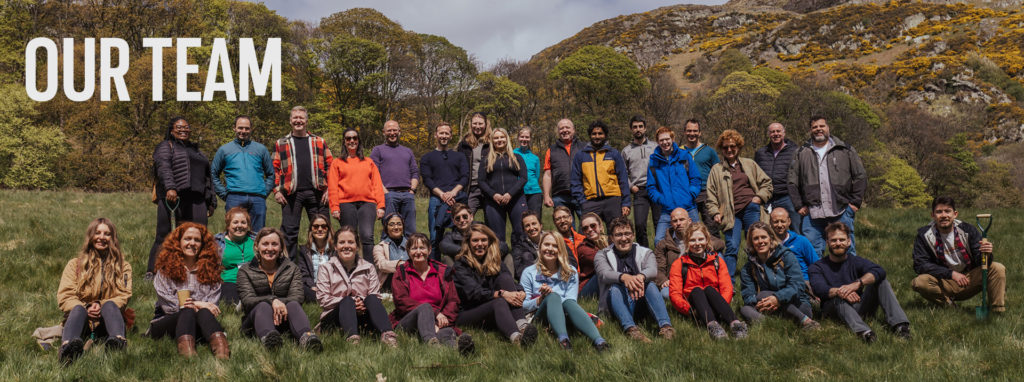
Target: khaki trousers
{"x": 945, "y": 291}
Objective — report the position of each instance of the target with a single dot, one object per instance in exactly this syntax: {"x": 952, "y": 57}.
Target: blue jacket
{"x": 780, "y": 274}
{"x": 705, "y": 156}
{"x": 531, "y": 280}
{"x": 533, "y": 171}
{"x": 803, "y": 250}
{"x": 599, "y": 173}
{"x": 247, "y": 169}
{"x": 673, "y": 182}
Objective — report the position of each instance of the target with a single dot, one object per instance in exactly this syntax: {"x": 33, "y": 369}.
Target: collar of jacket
{"x": 709, "y": 256}
{"x": 590, "y": 147}
{"x": 836, "y": 143}
{"x": 282, "y": 261}
{"x": 786, "y": 144}
{"x": 433, "y": 266}
{"x": 243, "y": 143}
{"x": 659, "y": 155}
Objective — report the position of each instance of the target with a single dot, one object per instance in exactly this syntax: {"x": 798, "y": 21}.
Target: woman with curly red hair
{"x": 187, "y": 286}
{"x": 94, "y": 291}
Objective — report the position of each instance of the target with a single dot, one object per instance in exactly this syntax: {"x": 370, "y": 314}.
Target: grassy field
{"x": 40, "y": 231}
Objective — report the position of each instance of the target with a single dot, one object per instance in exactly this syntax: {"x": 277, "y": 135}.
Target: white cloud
{"x": 490, "y": 30}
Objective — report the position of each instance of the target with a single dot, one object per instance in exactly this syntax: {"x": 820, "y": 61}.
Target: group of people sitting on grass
{"x": 198, "y": 274}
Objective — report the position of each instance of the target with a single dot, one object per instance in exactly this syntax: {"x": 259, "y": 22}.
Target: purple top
{"x": 396, "y": 164}
{"x": 167, "y": 291}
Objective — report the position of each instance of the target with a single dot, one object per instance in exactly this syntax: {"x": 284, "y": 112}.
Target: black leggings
{"x": 229, "y": 293}
{"x": 495, "y": 313}
{"x": 362, "y": 216}
{"x": 495, "y": 215}
{"x": 707, "y": 303}
{"x": 261, "y": 320}
{"x": 185, "y": 322}
{"x": 347, "y": 318}
{"x": 191, "y": 207}
{"x": 111, "y": 322}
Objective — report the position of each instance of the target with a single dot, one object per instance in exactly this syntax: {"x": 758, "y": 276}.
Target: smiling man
{"x": 400, "y": 175}
{"x": 599, "y": 182}
{"x": 774, "y": 158}
{"x": 300, "y": 162}
{"x": 947, "y": 259}
{"x": 248, "y": 173}
{"x": 445, "y": 172}
{"x": 557, "y": 168}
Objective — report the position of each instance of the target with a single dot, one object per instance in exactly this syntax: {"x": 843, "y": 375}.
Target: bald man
{"x": 801, "y": 247}
{"x": 774, "y": 158}
{"x": 400, "y": 175}
{"x": 672, "y": 245}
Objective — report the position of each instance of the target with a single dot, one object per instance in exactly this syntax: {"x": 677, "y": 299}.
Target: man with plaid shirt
{"x": 300, "y": 175}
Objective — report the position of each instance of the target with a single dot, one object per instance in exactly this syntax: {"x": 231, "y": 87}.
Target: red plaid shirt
{"x": 285, "y": 176}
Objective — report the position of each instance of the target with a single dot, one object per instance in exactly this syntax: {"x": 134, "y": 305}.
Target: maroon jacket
{"x": 405, "y": 304}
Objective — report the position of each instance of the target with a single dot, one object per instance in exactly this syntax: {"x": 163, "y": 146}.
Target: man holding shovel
{"x": 948, "y": 260}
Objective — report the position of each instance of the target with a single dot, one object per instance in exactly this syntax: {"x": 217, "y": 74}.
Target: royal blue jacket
{"x": 673, "y": 181}
{"x": 248, "y": 169}
{"x": 803, "y": 249}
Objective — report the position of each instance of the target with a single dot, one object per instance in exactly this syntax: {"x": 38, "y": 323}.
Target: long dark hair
{"x": 344, "y": 149}
{"x": 170, "y": 127}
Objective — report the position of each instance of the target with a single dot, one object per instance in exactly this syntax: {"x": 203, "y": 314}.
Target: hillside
{"x": 941, "y": 56}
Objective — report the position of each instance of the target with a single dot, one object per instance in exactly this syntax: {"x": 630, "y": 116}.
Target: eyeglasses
{"x": 623, "y": 234}
{"x": 394, "y": 224}
{"x": 349, "y": 139}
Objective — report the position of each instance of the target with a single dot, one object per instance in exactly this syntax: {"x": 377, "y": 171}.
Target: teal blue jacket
{"x": 532, "y": 171}
{"x": 247, "y": 168}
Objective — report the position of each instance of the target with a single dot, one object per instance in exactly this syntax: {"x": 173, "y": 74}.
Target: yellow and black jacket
{"x": 599, "y": 173}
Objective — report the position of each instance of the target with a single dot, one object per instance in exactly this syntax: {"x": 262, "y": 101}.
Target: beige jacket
{"x": 720, "y": 190}
{"x": 68, "y": 295}
{"x": 333, "y": 284}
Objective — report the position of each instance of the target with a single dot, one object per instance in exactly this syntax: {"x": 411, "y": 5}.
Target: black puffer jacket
{"x": 777, "y": 166}
{"x": 174, "y": 171}
{"x": 254, "y": 288}
{"x": 476, "y": 289}
{"x": 303, "y": 258}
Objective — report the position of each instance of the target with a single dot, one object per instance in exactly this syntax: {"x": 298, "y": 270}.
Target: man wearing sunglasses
{"x": 446, "y": 174}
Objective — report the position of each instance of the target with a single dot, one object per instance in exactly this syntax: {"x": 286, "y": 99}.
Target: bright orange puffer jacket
{"x": 712, "y": 272}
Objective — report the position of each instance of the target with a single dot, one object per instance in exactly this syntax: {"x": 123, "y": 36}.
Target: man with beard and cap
{"x": 826, "y": 184}
{"x": 636, "y": 155}
{"x": 947, "y": 259}
{"x": 300, "y": 162}
{"x": 400, "y": 175}
{"x": 446, "y": 174}
{"x": 774, "y": 158}
{"x": 599, "y": 181}
{"x": 248, "y": 173}
{"x": 852, "y": 288}
{"x": 558, "y": 168}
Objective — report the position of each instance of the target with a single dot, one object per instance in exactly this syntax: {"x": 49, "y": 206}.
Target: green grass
{"x": 40, "y": 231}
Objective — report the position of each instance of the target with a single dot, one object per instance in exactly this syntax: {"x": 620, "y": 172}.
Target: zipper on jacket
{"x": 597, "y": 183}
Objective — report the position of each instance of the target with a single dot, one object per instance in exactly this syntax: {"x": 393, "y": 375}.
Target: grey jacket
{"x": 845, "y": 171}
{"x": 606, "y": 267}
{"x": 254, "y": 288}
{"x": 637, "y": 157}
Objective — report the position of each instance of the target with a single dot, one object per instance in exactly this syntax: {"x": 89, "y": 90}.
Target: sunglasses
{"x": 319, "y": 226}
{"x": 461, "y": 217}
{"x": 349, "y": 139}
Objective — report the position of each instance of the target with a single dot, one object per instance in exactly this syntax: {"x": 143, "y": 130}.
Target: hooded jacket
{"x": 703, "y": 275}
{"x": 927, "y": 261}
{"x": 607, "y": 270}
{"x": 720, "y": 199}
{"x": 673, "y": 181}
{"x": 254, "y": 286}
{"x": 845, "y": 171}
{"x": 780, "y": 274}
{"x": 334, "y": 284}
{"x": 599, "y": 173}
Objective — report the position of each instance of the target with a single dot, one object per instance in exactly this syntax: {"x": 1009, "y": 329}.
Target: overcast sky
{"x": 490, "y": 30}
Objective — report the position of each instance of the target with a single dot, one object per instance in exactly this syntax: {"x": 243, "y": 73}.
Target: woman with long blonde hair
{"x": 487, "y": 292}
{"x": 94, "y": 291}
{"x": 502, "y": 177}
{"x": 475, "y": 145}
{"x": 551, "y": 286}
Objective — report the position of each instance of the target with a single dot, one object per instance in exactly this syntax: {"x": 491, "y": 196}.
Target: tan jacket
{"x": 333, "y": 283}
{"x": 68, "y": 295}
{"x": 382, "y": 259}
{"x": 720, "y": 190}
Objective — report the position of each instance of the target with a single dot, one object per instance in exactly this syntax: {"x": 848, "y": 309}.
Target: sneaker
{"x": 70, "y": 351}
{"x": 116, "y": 343}
{"x": 867, "y": 336}
{"x": 565, "y": 344}
{"x": 529, "y": 335}
{"x": 272, "y": 340}
{"x": 311, "y": 342}
{"x": 601, "y": 347}
{"x": 715, "y": 330}
{"x": 465, "y": 344}
{"x": 353, "y": 339}
{"x": 634, "y": 333}
{"x": 810, "y": 325}
{"x": 598, "y": 322}
{"x": 389, "y": 338}
{"x": 667, "y": 332}
{"x": 903, "y": 331}
{"x": 738, "y": 329}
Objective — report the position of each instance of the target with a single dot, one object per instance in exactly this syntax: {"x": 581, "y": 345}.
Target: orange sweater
{"x": 354, "y": 181}
{"x": 698, "y": 276}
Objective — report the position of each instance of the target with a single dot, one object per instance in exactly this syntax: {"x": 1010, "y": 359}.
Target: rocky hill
{"x": 937, "y": 55}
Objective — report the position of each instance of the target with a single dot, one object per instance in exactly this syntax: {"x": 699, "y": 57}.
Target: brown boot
{"x": 187, "y": 345}
{"x": 219, "y": 345}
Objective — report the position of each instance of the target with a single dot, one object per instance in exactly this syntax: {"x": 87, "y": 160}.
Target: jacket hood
{"x": 590, "y": 147}
{"x": 659, "y": 156}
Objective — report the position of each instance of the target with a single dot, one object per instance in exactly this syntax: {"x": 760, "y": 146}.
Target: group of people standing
{"x": 794, "y": 207}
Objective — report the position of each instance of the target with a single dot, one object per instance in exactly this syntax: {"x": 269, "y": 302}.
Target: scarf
{"x": 961, "y": 249}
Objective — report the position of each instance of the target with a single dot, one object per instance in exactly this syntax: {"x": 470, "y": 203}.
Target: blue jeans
{"x": 623, "y": 306}
{"x": 404, "y": 204}
{"x": 255, "y": 204}
{"x": 814, "y": 230}
{"x": 438, "y": 219}
{"x": 568, "y": 201}
{"x": 665, "y": 221}
{"x": 733, "y": 236}
{"x": 786, "y": 203}
{"x": 591, "y": 289}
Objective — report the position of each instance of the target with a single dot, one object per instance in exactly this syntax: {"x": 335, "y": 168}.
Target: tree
{"x": 499, "y": 97}
{"x": 28, "y": 150}
{"x": 601, "y": 80}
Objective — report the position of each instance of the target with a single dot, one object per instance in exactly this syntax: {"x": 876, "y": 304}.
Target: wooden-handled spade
{"x": 981, "y": 312}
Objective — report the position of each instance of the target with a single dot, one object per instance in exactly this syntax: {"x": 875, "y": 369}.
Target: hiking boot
{"x": 272, "y": 340}
{"x": 187, "y": 345}
{"x": 738, "y": 329}
{"x": 528, "y": 336}
{"x": 353, "y": 339}
{"x": 70, "y": 351}
{"x": 667, "y": 332}
{"x": 116, "y": 343}
{"x": 902, "y": 331}
{"x": 867, "y": 336}
{"x": 465, "y": 344}
{"x": 311, "y": 342}
{"x": 601, "y": 347}
{"x": 389, "y": 338}
{"x": 634, "y": 333}
{"x": 810, "y": 325}
{"x": 716, "y": 331}
{"x": 565, "y": 344}
{"x": 219, "y": 345}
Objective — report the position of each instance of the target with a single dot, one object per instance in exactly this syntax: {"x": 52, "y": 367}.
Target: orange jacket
{"x": 698, "y": 276}
{"x": 354, "y": 181}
